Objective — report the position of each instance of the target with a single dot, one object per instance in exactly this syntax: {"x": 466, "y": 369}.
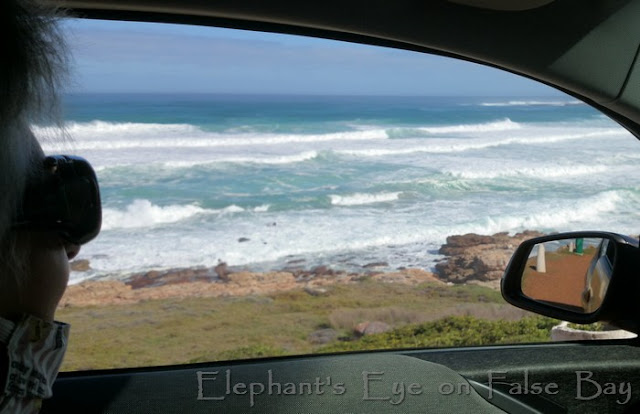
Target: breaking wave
{"x": 363, "y": 198}
{"x": 142, "y": 213}
{"x": 466, "y": 145}
{"x": 534, "y": 172}
{"x": 273, "y": 160}
{"x": 503, "y": 125}
{"x": 533, "y": 103}
{"x": 101, "y": 135}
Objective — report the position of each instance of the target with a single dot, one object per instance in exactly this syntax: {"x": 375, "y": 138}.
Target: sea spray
{"x": 340, "y": 181}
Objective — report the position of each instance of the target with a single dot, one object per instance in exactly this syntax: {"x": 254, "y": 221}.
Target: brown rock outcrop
{"x": 370, "y": 328}
{"x": 222, "y": 270}
{"x": 407, "y": 277}
{"x": 155, "y": 278}
{"x": 97, "y": 293}
{"x": 478, "y": 258}
{"x": 117, "y": 292}
{"x": 315, "y": 291}
{"x": 203, "y": 282}
{"x": 81, "y": 265}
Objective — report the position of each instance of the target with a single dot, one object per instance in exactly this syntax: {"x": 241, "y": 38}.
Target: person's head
{"x": 33, "y": 265}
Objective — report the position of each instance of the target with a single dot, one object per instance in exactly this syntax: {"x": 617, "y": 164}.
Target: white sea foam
{"x": 462, "y": 145}
{"x": 100, "y": 135}
{"x": 561, "y": 214}
{"x": 271, "y": 160}
{"x": 362, "y": 198}
{"x": 147, "y": 234}
{"x": 402, "y": 238}
{"x": 229, "y": 209}
{"x": 503, "y": 125}
{"x": 553, "y": 171}
{"x": 97, "y": 128}
{"x": 141, "y": 213}
{"x": 533, "y": 103}
{"x": 591, "y": 212}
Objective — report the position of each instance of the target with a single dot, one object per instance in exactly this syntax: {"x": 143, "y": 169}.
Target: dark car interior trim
{"x": 561, "y": 53}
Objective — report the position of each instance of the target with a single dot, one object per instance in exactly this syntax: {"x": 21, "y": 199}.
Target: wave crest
{"x": 468, "y": 145}
{"x": 363, "y": 198}
{"x": 275, "y": 160}
{"x": 142, "y": 213}
{"x": 535, "y": 172}
{"x": 533, "y": 103}
{"x": 503, "y": 125}
{"x": 102, "y": 135}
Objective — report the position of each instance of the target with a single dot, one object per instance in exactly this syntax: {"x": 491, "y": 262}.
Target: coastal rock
{"x": 251, "y": 278}
{"x": 407, "y": 276}
{"x": 376, "y": 264}
{"x": 322, "y": 271}
{"x": 296, "y": 261}
{"x": 97, "y": 293}
{"x": 92, "y": 293}
{"x": 478, "y": 258}
{"x": 370, "y": 328}
{"x": 250, "y": 283}
{"x": 155, "y": 278}
{"x": 563, "y": 332}
{"x": 315, "y": 291}
{"x": 456, "y": 244}
{"x": 300, "y": 275}
{"x": 223, "y": 281}
{"x": 81, "y": 265}
{"x": 221, "y": 270}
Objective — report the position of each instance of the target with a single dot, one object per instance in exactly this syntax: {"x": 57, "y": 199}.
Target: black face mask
{"x": 64, "y": 199}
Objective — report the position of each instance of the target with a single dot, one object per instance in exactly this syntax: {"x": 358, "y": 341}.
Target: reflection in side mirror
{"x": 572, "y": 274}
{"x": 580, "y": 277}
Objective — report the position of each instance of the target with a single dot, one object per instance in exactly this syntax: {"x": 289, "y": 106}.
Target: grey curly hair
{"x": 33, "y": 66}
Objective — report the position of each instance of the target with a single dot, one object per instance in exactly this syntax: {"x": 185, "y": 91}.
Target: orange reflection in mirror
{"x": 558, "y": 279}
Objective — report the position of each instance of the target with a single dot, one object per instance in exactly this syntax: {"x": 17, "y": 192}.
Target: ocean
{"x": 261, "y": 182}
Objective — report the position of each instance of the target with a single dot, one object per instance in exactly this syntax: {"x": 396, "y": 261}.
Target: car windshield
{"x": 268, "y": 195}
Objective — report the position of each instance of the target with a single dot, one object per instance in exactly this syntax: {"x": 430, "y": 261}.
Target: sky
{"x": 165, "y": 58}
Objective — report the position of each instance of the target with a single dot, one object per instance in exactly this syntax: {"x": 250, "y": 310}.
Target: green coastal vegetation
{"x": 177, "y": 331}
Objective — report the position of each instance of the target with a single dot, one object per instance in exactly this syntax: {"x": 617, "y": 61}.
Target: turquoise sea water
{"x": 342, "y": 181}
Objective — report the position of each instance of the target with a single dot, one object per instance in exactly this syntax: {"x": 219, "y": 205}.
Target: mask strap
{"x": 6, "y": 329}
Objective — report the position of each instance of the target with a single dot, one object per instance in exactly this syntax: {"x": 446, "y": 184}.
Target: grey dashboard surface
{"x": 579, "y": 377}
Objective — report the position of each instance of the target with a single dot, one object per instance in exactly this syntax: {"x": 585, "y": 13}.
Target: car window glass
{"x": 271, "y": 195}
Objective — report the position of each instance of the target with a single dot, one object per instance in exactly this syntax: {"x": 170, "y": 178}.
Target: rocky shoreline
{"x": 477, "y": 259}
{"x": 469, "y": 258}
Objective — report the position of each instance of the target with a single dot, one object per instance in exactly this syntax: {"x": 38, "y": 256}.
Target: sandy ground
{"x": 563, "y": 281}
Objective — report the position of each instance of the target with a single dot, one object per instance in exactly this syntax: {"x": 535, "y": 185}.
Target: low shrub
{"x": 453, "y": 331}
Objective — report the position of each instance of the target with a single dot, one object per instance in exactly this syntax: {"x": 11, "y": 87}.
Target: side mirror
{"x": 580, "y": 277}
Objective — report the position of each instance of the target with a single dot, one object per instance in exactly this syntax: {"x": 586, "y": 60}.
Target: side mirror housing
{"x": 580, "y": 277}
